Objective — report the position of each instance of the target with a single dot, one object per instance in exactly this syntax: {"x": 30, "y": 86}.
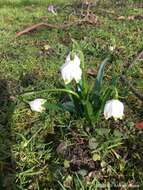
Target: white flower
{"x": 37, "y": 105}
{"x": 71, "y": 70}
{"x": 114, "y": 108}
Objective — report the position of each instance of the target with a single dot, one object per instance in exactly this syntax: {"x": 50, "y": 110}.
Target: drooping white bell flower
{"x": 71, "y": 70}
{"x": 114, "y": 108}
{"x": 37, "y": 105}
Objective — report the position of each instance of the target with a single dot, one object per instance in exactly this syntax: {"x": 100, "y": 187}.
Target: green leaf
{"x": 69, "y": 87}
{"x": 52, "y": 106}
{"x": 59, "y": 90}
{"x": 99, "y": 78}
{"x": 103, "y": 99}
{"x": 88, "y": 110}
{"x": 75, "y": 104}
{"x": 69, "y": 106}
{"x": 75, "y": 45}
{"x": 103, "y": 131}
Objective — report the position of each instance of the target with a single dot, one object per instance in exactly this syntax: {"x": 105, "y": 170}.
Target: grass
{"x": 56, "y": 150}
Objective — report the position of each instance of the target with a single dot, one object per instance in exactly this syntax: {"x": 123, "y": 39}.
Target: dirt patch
{"x": 79, "y": 156}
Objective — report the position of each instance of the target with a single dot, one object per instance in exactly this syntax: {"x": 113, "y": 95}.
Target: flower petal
{"x": 113, "y": 108}
{"x": 71, "y": 69}
{"x": 37, "y": 105}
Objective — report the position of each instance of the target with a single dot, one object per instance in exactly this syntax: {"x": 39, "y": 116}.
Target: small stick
{"x": 33, "y": 27}
{"x": 63, "y": 26}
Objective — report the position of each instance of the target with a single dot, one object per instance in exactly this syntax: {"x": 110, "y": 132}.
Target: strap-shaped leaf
{"x": 99, "y": 78}
{"x": 59, "y": 90}
{"x": 104, "y": 98}
{"x": 69, "y": 106}
{"x": 53, "y": 106}
{"x": 89, "y": 111}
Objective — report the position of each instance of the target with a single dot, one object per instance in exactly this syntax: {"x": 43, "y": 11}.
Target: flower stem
{"x": 50, "y": 91}
{"x": 116, "y": 93}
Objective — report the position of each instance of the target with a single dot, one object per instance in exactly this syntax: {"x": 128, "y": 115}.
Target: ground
{"x": 56, "y": 150}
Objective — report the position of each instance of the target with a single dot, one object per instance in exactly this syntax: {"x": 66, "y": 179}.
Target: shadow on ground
{"x": 7, "y": 166}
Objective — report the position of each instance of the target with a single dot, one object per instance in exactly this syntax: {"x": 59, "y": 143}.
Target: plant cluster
{"x": 85, "y": 100}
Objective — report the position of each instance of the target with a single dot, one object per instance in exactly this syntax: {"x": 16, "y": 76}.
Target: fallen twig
{"x": 33, "y": 27}
{"x": 51, "y": 26}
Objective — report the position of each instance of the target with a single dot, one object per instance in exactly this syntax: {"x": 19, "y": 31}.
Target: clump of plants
{"x": 85, "y": 99}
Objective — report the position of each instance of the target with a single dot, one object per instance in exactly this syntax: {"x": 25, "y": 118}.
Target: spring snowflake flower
{"x": 37, "y": 105}
{"x": 114, "y": 108}
{"x": 71, "y": 70}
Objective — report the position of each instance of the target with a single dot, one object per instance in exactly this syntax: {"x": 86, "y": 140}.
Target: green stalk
{"x": 84, "y": 85}
{"x": 50, "y": 91}
{"x": 67, "y": 87}
{"x": 83, "y": 94}
{"x": 116, "y": 93}
{"x": 85, "y": 101}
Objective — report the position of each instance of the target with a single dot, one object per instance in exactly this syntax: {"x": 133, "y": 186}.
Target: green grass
{"x": 30, "y": 155}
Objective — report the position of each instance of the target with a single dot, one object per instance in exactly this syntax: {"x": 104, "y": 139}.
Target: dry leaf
{"x": 121, "y": 18}
{"x": 91, "y": 72}
{"x": 131, "y": 17}
{"x": 139, "y": 125}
